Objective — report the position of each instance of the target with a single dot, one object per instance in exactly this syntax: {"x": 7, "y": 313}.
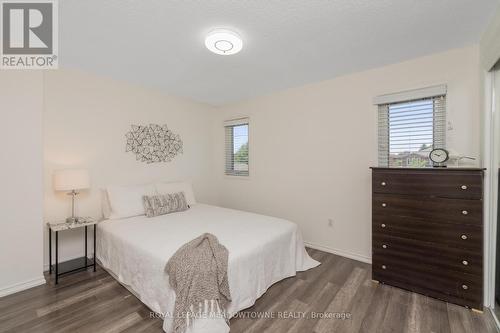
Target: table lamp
{"x": 71, "y": 181}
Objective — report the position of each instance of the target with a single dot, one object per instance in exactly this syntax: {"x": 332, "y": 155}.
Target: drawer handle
{"x": 464, "y": 212}
{"x": 384, "y": 204}
{"x": 465, "y": 287}
{"x": 464, "y": 237}
{"x": 465, "y": 263}
{"x": 463, "y": 187}
{"x": 384, "y": 267}
{"x": 383, "y": 184}
{"x": 382, "y": 225}
{"x": 384, "y": 246}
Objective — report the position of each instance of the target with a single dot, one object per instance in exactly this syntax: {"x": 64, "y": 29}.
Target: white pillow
{"x": 126, "y": 201}
{"x": 166, "y": 188}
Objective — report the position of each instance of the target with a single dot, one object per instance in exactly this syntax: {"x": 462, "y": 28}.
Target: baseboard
{"x": 15, "y": 288}
{"x": 492, "y": 314}
{"x": 341, "y": 253}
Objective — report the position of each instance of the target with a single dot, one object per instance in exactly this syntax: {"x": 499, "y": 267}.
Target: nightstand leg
{"x": 57, "y": 255}
{"x": 95, "y": 257}
{"x": 50, "y": 251}
{"x": 85, "y": 246}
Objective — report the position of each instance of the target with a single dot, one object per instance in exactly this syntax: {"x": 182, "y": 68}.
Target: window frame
{"x": 229, "y": 147}
{"x": 437, "y": 94}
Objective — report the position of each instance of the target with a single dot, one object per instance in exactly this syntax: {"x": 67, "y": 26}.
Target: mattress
{"x": 262, "y": 250}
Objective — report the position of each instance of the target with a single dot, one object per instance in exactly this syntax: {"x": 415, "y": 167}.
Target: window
{"x": 410, "y": 129}
{"x": 236, "y": 133}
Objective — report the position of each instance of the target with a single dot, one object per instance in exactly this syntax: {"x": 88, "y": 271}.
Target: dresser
{"x": 427, "y": 232}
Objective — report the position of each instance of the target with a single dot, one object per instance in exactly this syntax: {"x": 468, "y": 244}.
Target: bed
{"x": 262, "y": 251}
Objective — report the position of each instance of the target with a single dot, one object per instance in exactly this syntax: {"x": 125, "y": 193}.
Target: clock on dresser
{"x": 439, "y": 157}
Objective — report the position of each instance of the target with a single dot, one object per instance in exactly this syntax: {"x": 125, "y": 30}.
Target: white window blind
{"x": 409, "y": 130}
{"x": 237, "y": 149}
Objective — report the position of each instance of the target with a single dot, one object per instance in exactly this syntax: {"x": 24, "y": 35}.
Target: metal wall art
{"x": 153, "y": 143}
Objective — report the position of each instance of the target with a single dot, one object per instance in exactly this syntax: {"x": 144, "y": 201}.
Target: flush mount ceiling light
{"x": 223, "y": 42}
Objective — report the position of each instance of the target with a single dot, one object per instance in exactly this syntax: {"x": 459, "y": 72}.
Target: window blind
{"x": 411, "y": 95}
{"x": 383, "y": 135}
{"x": 237, "y": 147}
{"x": 409, "y": 130}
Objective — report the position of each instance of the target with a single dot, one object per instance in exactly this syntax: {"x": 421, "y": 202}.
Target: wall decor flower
{"x": 153, "y": 143}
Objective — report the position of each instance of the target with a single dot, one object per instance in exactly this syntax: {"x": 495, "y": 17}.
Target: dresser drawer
{"x": 460, "y": 236}
{"x": 436, "y": 210}
{"x": 446, "y": 184}
{"x": 449, "y": 289}
{"x": 432, "y": 255}
{"x": 449, "y": 281}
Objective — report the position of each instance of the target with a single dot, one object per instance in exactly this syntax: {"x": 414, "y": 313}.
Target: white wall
{"x": 21, "y": 191}
{"x": 85, "y": 121}
{"x": 489, "y": 54}
{"x": 489, "y": 45}
{"x": 311, "y": 147}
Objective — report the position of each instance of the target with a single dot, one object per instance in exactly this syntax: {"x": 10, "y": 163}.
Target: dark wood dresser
{"x": 427, "y": 232}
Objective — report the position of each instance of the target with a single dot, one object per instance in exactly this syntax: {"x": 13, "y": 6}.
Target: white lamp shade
{"x": 69, "y": 180}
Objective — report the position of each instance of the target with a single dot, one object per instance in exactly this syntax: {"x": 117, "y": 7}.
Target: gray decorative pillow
{"x": 162, "y": 204}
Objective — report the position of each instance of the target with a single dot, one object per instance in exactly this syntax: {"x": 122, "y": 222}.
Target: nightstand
{"x": 76, "y": 264}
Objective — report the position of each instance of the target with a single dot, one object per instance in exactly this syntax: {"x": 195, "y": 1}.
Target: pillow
{"x": 173, "y": 187}
{"x": 164, "y": 204}
{"x": 126, "y": 201}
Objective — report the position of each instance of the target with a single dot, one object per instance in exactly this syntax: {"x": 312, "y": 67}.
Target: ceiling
{"x": 160, "y": 43}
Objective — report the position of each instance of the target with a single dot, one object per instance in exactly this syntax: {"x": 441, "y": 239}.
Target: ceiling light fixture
{"x": 223, "y": 42}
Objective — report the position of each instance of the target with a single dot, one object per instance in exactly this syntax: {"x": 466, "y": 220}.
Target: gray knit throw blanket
{"x": 198, "y": 274}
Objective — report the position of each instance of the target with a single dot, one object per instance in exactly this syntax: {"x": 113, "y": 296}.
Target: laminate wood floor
{"x": 337, "y": 296}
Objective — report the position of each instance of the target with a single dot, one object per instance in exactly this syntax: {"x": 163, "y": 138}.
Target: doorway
{"x": 495, "y": 190}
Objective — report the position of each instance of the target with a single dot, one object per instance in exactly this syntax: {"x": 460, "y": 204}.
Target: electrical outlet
{"x": 330, "y": 223}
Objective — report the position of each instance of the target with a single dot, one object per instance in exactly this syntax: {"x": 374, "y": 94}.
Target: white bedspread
{"x": 262, "y": 251}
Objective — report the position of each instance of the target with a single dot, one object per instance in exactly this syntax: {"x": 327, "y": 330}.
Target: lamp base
{"x": 72, "y": 220}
